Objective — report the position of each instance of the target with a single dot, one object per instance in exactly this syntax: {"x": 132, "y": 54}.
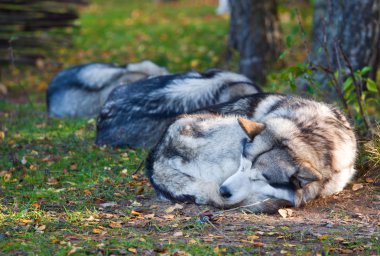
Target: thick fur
{"x": 305, "y": 150}
{"x": 138, "y": 114}
{"x": 81, "y": 90}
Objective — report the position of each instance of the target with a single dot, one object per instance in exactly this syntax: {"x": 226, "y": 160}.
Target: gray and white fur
{"x": 297, "y": 150}
{"x": 138, "y": 114}
{"x": 81, "y": 90}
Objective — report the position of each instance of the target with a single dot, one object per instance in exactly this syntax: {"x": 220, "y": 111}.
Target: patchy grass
{"x": 62, "y": 195}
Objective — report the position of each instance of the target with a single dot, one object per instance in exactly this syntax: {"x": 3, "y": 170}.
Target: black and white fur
{"x": 138, "y": 114}
{"x": 297, "y": 150}
{"x": 81, "y": 90}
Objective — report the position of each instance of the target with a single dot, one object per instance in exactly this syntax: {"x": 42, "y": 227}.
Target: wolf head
{"x": 274, "y": 164}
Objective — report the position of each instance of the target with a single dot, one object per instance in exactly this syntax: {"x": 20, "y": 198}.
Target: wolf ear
{"x": 251, "y": 128}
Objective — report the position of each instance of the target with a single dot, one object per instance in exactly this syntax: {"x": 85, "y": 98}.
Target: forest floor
{"x": 62, "y": 195}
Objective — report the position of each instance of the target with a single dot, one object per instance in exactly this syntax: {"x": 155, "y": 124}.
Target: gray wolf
{"x": 264, "y": 151}
{"x": 81, "y": 90}
{"x": 138, "y": 114}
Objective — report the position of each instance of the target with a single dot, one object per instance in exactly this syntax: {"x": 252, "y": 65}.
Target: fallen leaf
{"x": 132, "y": 250}
{"x": 285, "y": 213}
{"x": 339, "y": 239}
{"x": 369, "y": 180}
{"x": 98, "y": 200}
{"x": 357, "y": 186}
{"x": 52, "y": 181}
{"x": 258, "y": 244}
{"x": 134, "y": 213}
{"x": 87, "y": 192}
{"x": 97, "y": 231}
{"x": 73, "y": 250}
{"x": 135, "y": 203}
{"x": 115, "y": 224}
{"x": 91, "y": 218}
{"x": 140, "y": 190}
{"x": 177, "y": 234}
{"x": 41, "y": 228}
{"x": 324, "y": 237}
{"x": 173, "y": 208}
{"x": 169, "y": 216}
{"x": 36, "y": 205}
{"x": 33, "y": 167}
{"x": 149, "y": 216}
{"x": 2, "y": 135}
{"x": 253, "y": 237}
{"x": 3, "y": 89}
{"x": 25, "y": 221}
{"x": 192, "y": 241}
{"x": 73, "y": 167}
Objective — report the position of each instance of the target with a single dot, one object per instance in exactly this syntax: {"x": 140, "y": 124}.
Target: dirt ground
{"x": 346, "y": 223}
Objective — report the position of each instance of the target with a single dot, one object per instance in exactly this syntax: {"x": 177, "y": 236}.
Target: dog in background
{"x": 138, "y": 114}
{"x": 81, "y": 90}
{"x": 282, "y": 150}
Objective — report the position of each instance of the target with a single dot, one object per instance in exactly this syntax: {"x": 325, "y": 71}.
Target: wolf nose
{"x": 225, "y": 192}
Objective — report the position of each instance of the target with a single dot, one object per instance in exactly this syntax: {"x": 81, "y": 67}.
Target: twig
{"x": 358, "y": 88}
{"x": 239, "y": 207}
{"x": 139, "y": 167}
{"x": 302, "y": 30}
{"x": 340, "y": 78}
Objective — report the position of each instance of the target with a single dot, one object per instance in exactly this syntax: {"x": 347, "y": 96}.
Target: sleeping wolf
{"x": 138, "y": 114}
{"x": 81, "y": 90}
{"x": 285, "y": 151}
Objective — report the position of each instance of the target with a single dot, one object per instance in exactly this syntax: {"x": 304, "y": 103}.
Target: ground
{"x": 62, "y": 195}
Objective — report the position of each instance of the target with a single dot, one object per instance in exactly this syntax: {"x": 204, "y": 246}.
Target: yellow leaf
{"x": 134, "y": 213}
{"x": 87, "y": 192}
{"x": 173, "y": 208}
{"x": 253, "y": 237}
{"x": 37, "y": 205}
{"x": 33, "y": 167}
{"x": 132, "y": 250}
{"x": 97, "y": 231}
{"x": 194, "y": 63}
{"x": 2, "y": 135}
{"x": 115, "y": 224}
{"x": 25, "y": 221}
{"x": 323, "y": 237}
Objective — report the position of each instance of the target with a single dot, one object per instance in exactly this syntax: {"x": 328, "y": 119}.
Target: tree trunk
{"x": 351, "y": 27}
{"x": 255, "y": 34}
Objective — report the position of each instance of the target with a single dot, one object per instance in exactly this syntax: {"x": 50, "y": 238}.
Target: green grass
{"x": 54, "y": 181}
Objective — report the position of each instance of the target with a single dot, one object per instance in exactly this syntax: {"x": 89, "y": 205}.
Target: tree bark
{"x": 352, "y": 26}
{"x": 255, "y": 34}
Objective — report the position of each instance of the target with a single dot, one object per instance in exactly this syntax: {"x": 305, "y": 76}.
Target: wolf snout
{"x": 225, "y": 192}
